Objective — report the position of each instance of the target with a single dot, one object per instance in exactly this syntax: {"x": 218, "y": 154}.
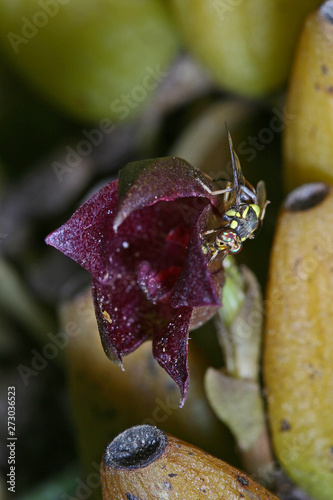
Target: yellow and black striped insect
{"x": 243, "y": 217}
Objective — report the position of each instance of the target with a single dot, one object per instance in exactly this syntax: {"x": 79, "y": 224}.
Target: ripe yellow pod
{"x": 308, "y": 135}
{"x": 145, "y": 463}
{"x": 246, "y": 45}
{"x": 298, "y": 348}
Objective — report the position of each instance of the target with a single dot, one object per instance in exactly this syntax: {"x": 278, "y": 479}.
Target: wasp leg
{"x": 264, "y": 210}
{"x": 213, "y": 257}
{"x": 215, "y": 193}
{"x": 216, "y": 253}
{"x": 211, "y": 231}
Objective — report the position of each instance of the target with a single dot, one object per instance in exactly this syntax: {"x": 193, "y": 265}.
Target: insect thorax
{"x": 243, "y": 220}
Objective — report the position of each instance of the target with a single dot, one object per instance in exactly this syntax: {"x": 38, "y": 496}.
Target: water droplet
{"x": 125, "y": 244}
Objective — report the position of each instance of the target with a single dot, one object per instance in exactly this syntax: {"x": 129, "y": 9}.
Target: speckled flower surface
{"x": 139, "y": 237}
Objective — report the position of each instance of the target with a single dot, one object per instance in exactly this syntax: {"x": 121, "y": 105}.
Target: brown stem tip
{"x": 136, "y": 447}
{"x": 306, "y": 196}
{"x": 326, "y": 11}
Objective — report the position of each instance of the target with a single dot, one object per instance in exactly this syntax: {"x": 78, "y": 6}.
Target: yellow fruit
{"x": 147, "y": 464}
{"x": 308, "y": 137}
{"x": 246, "y": 45}
{"x": 298, "y": 353}
{"x": 95, "y": 59}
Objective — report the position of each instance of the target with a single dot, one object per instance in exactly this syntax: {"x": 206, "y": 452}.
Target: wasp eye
{"x": 236, "y": 249}
{"x": 227, "y": 236}
{"x": 230, "y": 240}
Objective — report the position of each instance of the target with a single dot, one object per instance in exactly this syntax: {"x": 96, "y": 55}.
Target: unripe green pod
{"x": 246, "y": 45}
{"x": 95, "y": 59}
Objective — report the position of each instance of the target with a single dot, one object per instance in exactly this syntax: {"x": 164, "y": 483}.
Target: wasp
{"x": 243, "y": 217}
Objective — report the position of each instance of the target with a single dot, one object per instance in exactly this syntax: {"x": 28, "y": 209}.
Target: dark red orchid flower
{"x": 139, "y": 237}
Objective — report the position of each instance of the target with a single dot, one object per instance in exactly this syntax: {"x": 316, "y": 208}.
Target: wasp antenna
{"x": 233, "y": 161}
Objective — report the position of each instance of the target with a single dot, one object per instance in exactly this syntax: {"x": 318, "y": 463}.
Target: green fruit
{"x": 246, "y": 45}
{"x": 95, "y": 59}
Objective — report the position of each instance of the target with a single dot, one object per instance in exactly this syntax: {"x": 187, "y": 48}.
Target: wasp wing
{"x": 262, "y": 202}
{"x": 239, "y": 178}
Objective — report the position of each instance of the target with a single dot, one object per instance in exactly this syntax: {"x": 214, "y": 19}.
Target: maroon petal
{"x": 196, "y": 286}
{"x": 156, "y": 285}
{"x": 170, "y": 349}
{"x": 88, "y": 236}
{"x": 179, "y": 236}
{"x": 147, "y": 231}
{"x": 144, "y": 183}
{"x": 84, "y": 236}
{"x": 125, "y": 317}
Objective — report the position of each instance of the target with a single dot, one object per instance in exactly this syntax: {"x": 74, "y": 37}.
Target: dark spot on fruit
{"x": 324, "y": 69}
{"x": 203, "y": 490}
{"x": 285, "y": 425}
{"x": 129, "y": 496}
{"x": 330, "y": 89}
{"x": 190, "y": 453}
{"x": 172, "y": 475}
{"x": 307, "y": 196}
{"x": 167, "y": 485}
{"x": 331, "y": 450}
{"x": 243, "y": 480}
